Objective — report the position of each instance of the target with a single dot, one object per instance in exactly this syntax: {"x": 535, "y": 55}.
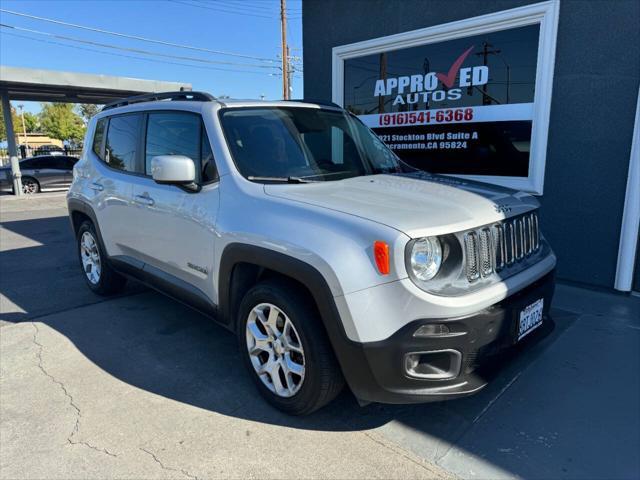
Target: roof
{"x": 182, "y": 98}
{"x": 56, "y": 86}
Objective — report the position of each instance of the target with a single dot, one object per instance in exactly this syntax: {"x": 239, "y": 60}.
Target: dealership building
{"x": 537, "y": 96}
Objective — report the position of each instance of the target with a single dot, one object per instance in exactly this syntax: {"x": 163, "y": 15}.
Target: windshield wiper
{"x": 280, "y": 179}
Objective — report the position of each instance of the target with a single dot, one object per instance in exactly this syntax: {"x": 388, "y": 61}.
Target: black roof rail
{"x": 318, "y": 102}
{"x": 152, "y": 97}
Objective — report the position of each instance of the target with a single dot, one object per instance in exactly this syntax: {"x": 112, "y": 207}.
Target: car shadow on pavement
{"x": 39, "y": 269}
{"x": 156, "y": 344}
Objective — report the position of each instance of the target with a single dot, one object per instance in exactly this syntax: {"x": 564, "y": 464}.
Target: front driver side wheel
{"x": 286, "y": 349}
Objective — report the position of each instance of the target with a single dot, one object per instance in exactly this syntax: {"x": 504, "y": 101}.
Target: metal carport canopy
{"x": 54, "y": 86}
{"x": 28, "y": 84}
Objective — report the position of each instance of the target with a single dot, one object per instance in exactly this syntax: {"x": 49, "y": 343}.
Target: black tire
{"x": 323, "y": 378}
{"x": 108, "y": 281}
{"x": 30, "y": 186}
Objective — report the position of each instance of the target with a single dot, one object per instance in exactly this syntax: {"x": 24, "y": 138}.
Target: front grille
{"x": 492, "y": 248}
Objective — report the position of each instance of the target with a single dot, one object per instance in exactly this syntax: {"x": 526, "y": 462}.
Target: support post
{"x": 11, "y": 143}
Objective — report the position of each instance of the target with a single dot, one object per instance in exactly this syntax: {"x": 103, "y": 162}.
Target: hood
{"x": 418, "y": 204}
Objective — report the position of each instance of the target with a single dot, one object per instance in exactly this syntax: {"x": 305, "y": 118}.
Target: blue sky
{"x": 247, "y": 27}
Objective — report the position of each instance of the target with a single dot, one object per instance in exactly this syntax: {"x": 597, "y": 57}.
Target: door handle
{"x": 96, "y": 186}
{"x": 144, "y": 199}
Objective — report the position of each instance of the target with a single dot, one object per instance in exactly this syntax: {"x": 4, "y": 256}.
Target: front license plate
{"x": 530, "y": 318}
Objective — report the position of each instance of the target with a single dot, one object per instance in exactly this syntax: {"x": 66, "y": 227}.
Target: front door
{"x": 175, "y": 227}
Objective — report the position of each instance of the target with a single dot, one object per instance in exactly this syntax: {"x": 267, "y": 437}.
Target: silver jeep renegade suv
{"x": 294, "y": 226}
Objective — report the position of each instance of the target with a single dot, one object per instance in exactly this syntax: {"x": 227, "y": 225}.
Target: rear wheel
{"x": 286, "y": 349}
{"x": 98, "y": 274}
{"x": 30, "y": 186}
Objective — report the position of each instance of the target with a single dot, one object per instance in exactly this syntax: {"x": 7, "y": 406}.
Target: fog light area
{"x": 437, "y": 365}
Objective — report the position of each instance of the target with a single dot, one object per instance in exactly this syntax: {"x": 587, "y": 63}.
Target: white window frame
{"x": 630, "y": 215}
{"x": 545, "y": 14}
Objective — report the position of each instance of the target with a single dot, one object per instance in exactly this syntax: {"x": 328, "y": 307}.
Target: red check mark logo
{"x": 450, "y": 77}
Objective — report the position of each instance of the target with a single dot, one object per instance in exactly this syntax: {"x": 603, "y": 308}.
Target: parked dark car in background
{"x": 48, "y": 150}
{"x": 42, "y": 173}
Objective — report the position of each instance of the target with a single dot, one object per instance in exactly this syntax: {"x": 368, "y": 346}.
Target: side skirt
{"x": 166, "y": 284}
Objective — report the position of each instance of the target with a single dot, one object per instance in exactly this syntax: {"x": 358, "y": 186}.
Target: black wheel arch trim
{"x": 350, "y": 355}
{"x": 77, "y": 205}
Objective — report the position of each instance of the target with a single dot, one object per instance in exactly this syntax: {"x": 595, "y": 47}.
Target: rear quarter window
{"x": 98, "y": 138}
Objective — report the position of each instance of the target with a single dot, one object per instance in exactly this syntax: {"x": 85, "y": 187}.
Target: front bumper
{"x": 376, "y": 371}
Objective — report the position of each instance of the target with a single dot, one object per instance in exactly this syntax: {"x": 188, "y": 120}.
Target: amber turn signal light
{"x": 381, "y": 254}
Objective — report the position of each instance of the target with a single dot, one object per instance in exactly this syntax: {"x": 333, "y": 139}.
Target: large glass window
{"x": 306, "y": 143}
{"x": 469, "y": 97}
{"x": 463, "y": 106}
{"x": 179, "y": 133}
{"x": 122, "y": 142}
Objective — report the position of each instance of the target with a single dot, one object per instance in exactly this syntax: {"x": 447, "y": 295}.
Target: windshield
{"x": 295, "y": 143}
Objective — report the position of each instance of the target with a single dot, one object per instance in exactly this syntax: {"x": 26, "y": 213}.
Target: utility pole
{"x": 285, "y": 50}
{"x": 486, "y": 51}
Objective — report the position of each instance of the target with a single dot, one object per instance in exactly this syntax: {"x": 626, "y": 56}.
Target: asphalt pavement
{"x": 139, "y": 386}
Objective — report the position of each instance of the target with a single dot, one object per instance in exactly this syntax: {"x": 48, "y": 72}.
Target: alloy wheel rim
{"x": 90, "y": 255}
{"x": 29, "y": 187}
{"x": 275, "y": 350}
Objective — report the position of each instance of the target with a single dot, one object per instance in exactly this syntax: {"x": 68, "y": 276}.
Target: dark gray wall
{"x": 595, "y": 90}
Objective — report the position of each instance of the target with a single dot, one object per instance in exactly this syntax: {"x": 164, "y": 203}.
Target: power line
{"x": 221, "y": 10}
{"x": 134, "y": 57}
{"x": 136, "y": 50}
{"x": 239, "y": 5}
{"x": 237, "y": 9}
{"x": 135, "y": 37}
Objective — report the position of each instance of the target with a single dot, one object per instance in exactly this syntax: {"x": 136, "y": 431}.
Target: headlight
{"x": 425, "y": 258}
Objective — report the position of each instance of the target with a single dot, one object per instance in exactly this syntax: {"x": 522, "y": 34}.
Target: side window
{"x": 57, "y": 163}
{"x": 122, "y": 142}
{"x": 98, "y": 137}
{"x": 66, "y": 163}
{"x": 174, "y": 133}
{"x": 179, "y": 133}
{"x": 26, "y": 164}
{"x": 36, "y": 163}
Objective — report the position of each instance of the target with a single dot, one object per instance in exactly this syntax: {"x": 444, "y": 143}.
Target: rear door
{"x": 63, "y": 171}
{"x": 66, "y": 165}
{"x": 175, "y": 227}
{"x": 117, "y": 145}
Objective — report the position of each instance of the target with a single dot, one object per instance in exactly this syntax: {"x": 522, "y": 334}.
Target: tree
{"x": 31, "y": 123}
{"x": 58, "y": 120}
{"x": 17, "y": 124}
{"x": 87, "y": 110}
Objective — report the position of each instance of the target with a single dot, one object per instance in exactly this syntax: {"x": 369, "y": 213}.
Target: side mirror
{"x": 173, "y": 170}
